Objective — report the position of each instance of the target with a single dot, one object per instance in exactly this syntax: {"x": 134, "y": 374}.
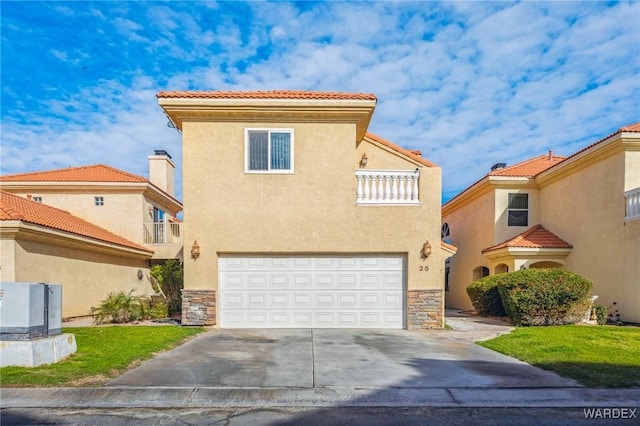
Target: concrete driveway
{"x": 316, "y": 358}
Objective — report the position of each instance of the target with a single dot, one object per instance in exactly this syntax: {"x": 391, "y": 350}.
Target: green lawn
{"x": 103, "y": 353}
{"x": 607, "y": 356}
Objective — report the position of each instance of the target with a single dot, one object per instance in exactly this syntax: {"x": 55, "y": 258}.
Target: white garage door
{"x": 311, "y": 291}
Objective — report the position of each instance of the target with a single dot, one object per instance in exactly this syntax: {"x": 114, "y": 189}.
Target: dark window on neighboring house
{"x": 518, "y": 210}
{"x": 98, "y": 201}
{"x": 444, "y": 231}
{"x": 37, "y": 199}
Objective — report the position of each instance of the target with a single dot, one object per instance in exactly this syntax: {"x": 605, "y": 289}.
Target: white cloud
{"x": 468, "y": 83}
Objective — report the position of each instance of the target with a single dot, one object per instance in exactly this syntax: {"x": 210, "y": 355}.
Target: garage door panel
{"x": 391, "y": 300}
{"x": 311, "y": 291}
{"x": 324, "y": 281}
{"x": 347, "y": 281}
{"x": 280, "y": 281}
{"x": 348, "y": 300}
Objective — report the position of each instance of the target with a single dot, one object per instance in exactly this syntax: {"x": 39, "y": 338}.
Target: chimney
{"x": 161, "y": 171}
{"x": 550, "y": 155}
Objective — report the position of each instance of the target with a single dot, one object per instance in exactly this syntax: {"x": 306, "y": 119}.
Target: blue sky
{"x": 469, "y": 83}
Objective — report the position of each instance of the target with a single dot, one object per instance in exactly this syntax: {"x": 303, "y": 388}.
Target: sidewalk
{"x": 168, "y": 397}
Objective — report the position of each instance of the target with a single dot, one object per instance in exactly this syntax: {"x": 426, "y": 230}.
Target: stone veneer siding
{"x": 198, "y": 307}
{"x": 425, "y": 309}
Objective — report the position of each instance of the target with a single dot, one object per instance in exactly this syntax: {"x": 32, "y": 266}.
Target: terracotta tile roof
{"x": 13, "y": 207}
{"x": 268, "y": 94}
{"x": 95, "y": 173}
{"x": 413, "y": 154}
{"x": 535, "y": 237}
{"x": 631, "y": 128}
{"x": 530, "y": 167}
{"x": 635, "y": 127}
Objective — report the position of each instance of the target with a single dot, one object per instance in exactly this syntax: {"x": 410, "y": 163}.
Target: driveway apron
{"x": 306, "y": 358}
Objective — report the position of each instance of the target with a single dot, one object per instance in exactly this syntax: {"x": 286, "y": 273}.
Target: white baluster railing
{"x": 632, "y": 204}
{"x": 387, "y": 187}
{"x": 162, "y": 233}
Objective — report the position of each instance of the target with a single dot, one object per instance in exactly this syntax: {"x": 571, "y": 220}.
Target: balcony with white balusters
{"x": 387, "y": 187}
{"x": 632, "y": 201}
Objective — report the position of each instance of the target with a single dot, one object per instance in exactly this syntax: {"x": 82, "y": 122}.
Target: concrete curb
{"x": 198, "y": 397}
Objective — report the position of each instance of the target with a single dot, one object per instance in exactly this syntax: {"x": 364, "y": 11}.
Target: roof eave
{"x": 520, "y": 252}
{"x": 354, "y": 111}
{"x": 18, "y": 229}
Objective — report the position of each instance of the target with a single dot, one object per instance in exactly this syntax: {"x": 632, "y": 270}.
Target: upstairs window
{"x": 518, "y": 210}
{"x": 37, "y": 199}
{"x": 98, "y": 201}
{"x": 269, "y": 151}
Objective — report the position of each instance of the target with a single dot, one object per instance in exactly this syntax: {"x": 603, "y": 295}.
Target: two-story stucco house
{"x": 301, "y": 217}
{"x": 580, "y": 213}
{"x": 92, "y": 229}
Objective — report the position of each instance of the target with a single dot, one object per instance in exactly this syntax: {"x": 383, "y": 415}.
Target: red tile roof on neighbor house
{"x": 268, "y": 94}
{"x": 414, "y": 154}
{"x": 95, "y": 173}
{"x": 535, "y": 237}
{"x": 529, "y": 168}
{"x": 13, "y": 207}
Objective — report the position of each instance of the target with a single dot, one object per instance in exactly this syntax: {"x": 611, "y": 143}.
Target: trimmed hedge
{"x": 544, "y": 296}
{"x": 485, "y": 297}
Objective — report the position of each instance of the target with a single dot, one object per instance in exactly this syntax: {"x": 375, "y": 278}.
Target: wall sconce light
{"x": 364, "y": 160}
{"x": 140, "y": 275}
{"x": 150, "y": 210}
{"x": 195, "y": 250}
{"x": 426, "y": 250}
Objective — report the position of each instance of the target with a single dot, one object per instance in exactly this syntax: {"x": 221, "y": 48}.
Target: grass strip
{"x": 606, "y": 356}
{"x": 103, "y": 353}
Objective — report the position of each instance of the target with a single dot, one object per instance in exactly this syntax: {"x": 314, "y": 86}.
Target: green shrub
{"x": 121, "y": 308}
{"x": 544, "y": 296}
{"x": 601, "y": 313}
{"x": 159, "y": 310}
{"x": 485, "y": 297}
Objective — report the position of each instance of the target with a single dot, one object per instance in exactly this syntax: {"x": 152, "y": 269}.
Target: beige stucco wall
{"x": 587, "y": 208}
{"x": 631, "y": 170}
{"x": 86, "y": 276}
{"x": 312, "y": 210}
{"x": 471, "y": 229}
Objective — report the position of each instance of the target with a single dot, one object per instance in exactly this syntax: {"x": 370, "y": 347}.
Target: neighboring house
{"x": 301, "y": 217}
{"x": 139, "y": 209}
{"x": 580, "y": 213}
{"x": 40, "y": 243}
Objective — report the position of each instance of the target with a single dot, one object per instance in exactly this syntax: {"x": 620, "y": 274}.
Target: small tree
{"x": 170, "y": 279}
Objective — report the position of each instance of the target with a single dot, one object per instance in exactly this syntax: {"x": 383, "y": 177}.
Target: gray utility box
{"x": 30, "y": 310}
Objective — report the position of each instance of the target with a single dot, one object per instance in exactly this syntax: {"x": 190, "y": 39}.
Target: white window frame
{"x": 509, "y": 209}
{"x": 269, "y": 131}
